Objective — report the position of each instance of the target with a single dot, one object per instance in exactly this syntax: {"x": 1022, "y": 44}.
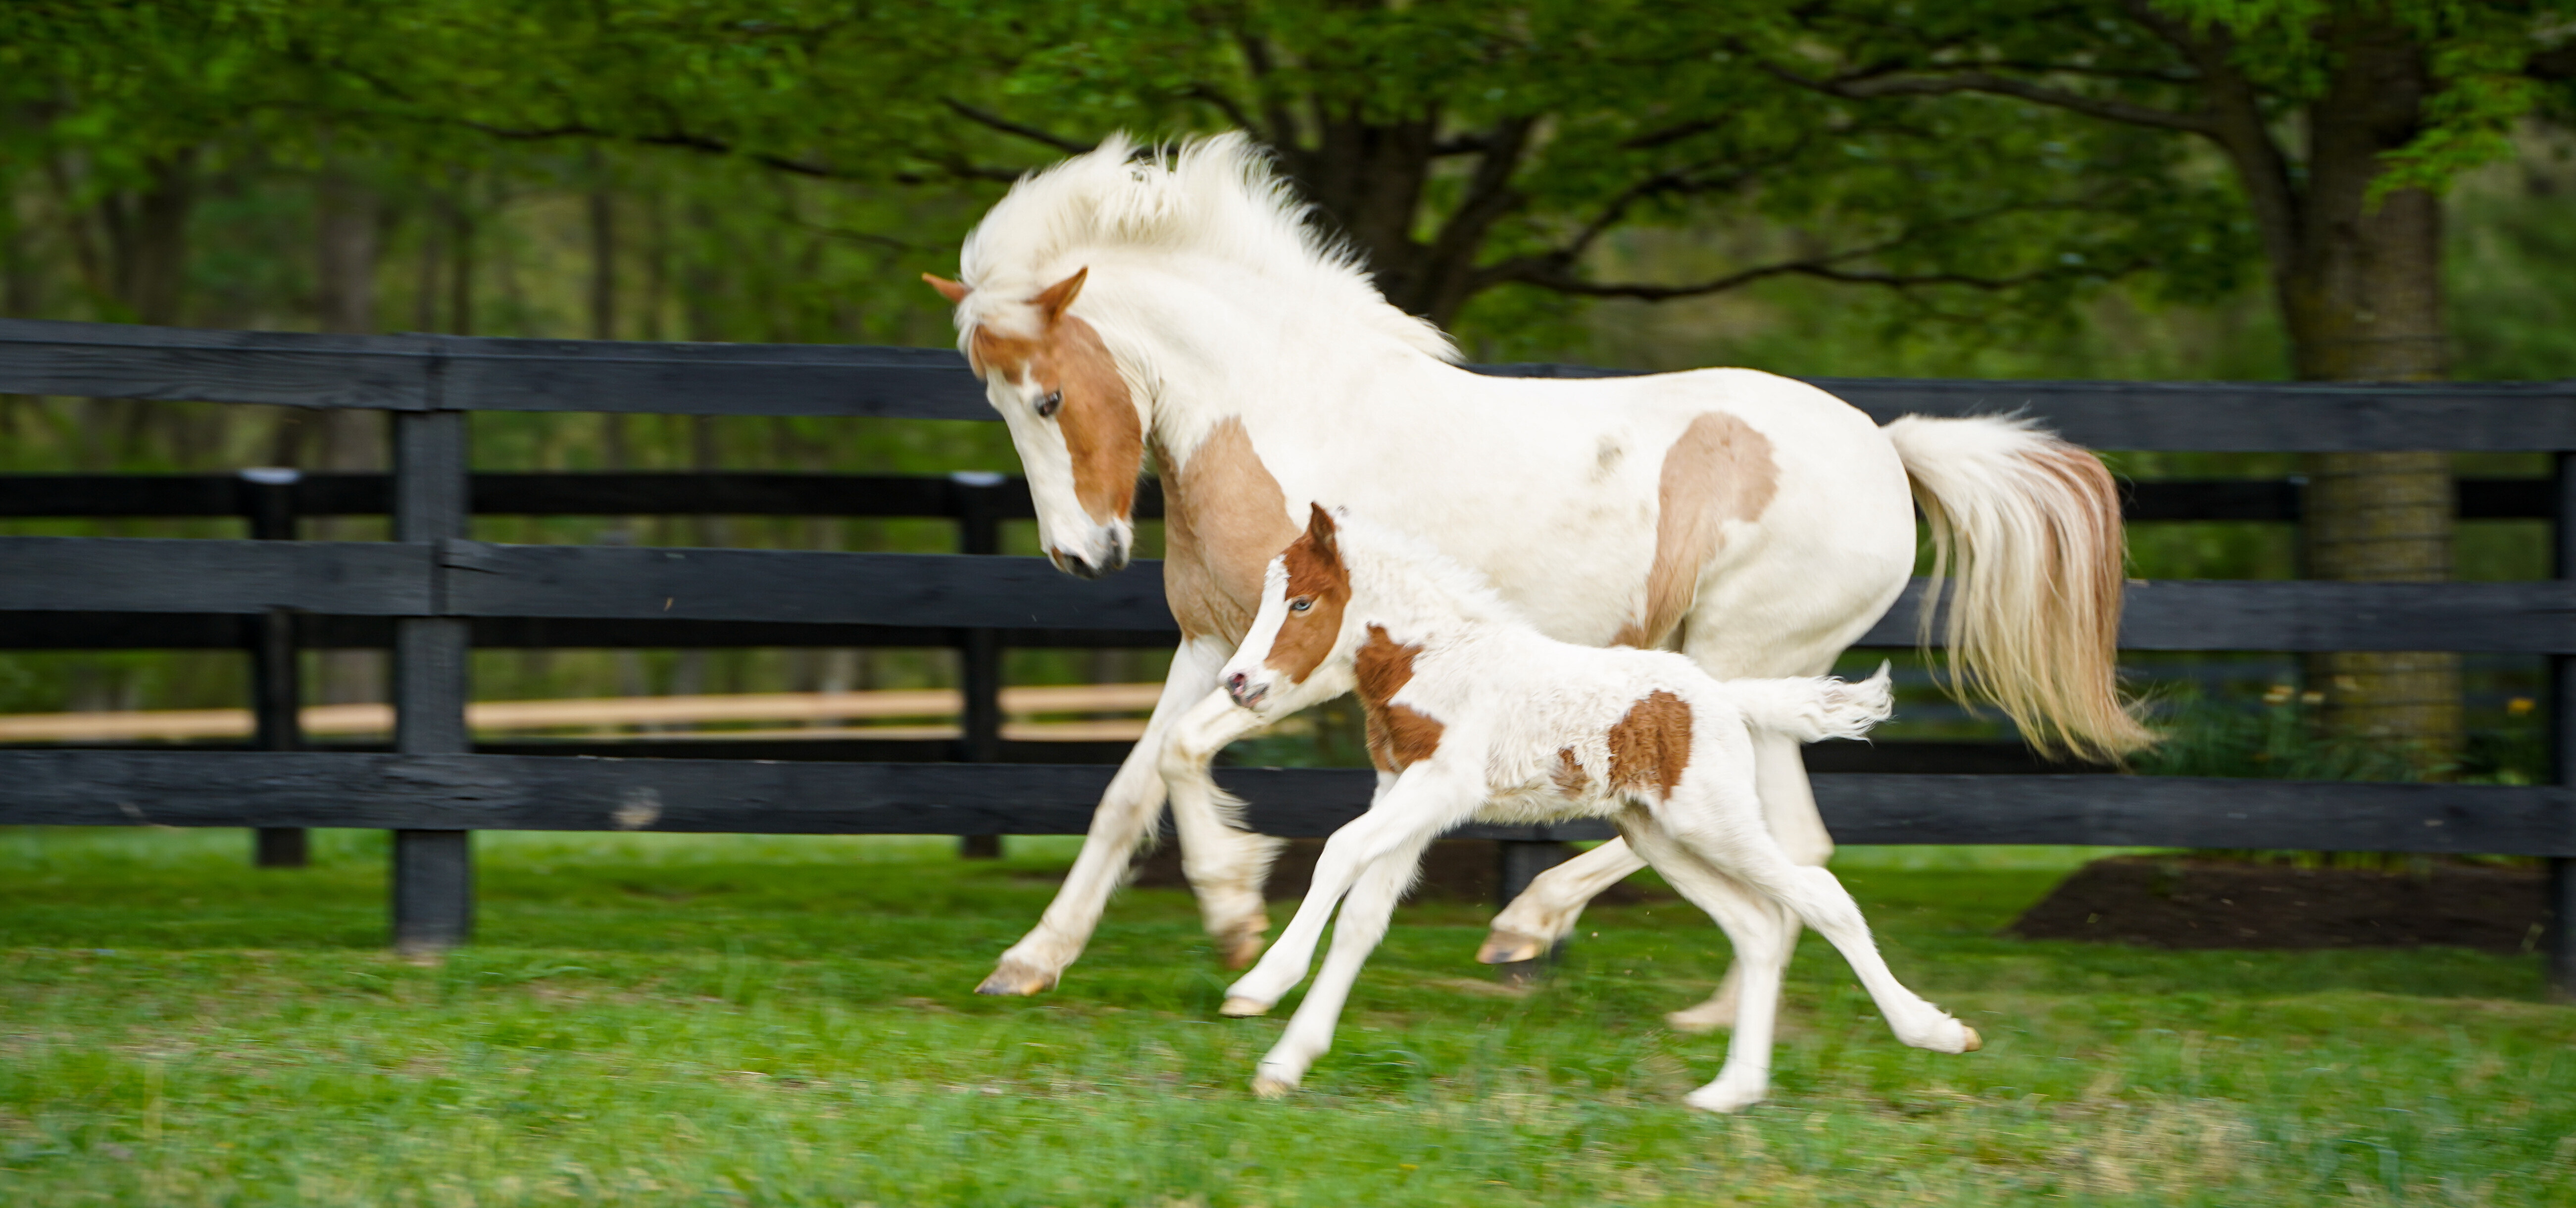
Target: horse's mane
{"x": 1214, "y": 198}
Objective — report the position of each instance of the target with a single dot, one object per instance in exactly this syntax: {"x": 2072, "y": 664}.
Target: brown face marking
{"x": 1317, "y": 577}
{"x": 1398, "y": 735}
{"x": 1650, "y": 746}
{"x": 1224, "y": 518}
{"x": 1103, "y": 436}
{"x": 1569, "y": 775}
{"x": 1720, "y": 470}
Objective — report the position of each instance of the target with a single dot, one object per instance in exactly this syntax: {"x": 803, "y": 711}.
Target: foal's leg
{"x": 1363, "y": 923}
{"x": 1706, "y": 817}
{"x": 1789, "y": 808}
{"x": 1761, "y": 933}
{"x": 1418, "y": 803}
{"x": 1546, "y": 912}
{"x": 1127, "y": 812}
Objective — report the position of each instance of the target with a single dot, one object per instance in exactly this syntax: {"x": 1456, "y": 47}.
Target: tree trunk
{"x": 1369, "y": 177}
{"x": 2362, "y": 301}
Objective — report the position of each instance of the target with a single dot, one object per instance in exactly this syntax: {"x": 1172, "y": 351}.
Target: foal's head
{"x": 1080, "y": 437}
{"x": 1305, "y": 599}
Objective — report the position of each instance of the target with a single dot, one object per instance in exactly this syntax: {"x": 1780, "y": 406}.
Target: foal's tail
{"x": 1815, "y": 708}
{"x": 2027, "y": 528}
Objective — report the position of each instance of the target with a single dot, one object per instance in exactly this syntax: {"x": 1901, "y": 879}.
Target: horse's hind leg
{"x": 1761, "y": 933}
{"x": 1125, "y": 816}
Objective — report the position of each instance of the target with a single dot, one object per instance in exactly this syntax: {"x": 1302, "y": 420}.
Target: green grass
{"x": 719, "y": 1020}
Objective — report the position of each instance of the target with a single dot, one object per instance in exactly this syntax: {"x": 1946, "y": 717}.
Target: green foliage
{"x": 661, "y": 1019}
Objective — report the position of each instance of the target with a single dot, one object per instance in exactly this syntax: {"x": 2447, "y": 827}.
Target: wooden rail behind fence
{"x": 432, "y": 593}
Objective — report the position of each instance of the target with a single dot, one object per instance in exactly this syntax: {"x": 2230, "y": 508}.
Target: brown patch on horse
{"x": 1650, "y": 746}
{"x": 1224, "y": 519}
{"x": 1719, "y": 470}
{"x": 1398, "y": 735}
{"x": 1568, "y": 774}
{"x": 1315, "y": 575}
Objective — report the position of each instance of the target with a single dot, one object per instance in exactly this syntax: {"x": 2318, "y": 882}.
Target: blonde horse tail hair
{"x": 2026, "y": 533}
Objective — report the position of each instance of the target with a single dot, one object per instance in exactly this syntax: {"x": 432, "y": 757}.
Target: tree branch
{"x": 1871, "y": 87}
{"x": 1007, "y": 126}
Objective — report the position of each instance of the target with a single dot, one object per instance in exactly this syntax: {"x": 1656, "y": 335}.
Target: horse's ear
{"x": 1320, "y": 529}
{"x": 954, "y": 291}
{"x": 1052, "y": 300}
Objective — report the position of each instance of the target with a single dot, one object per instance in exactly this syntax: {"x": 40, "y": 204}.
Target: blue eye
{"x": 1047, "y": 406}
{"x": 1300, "y": 604}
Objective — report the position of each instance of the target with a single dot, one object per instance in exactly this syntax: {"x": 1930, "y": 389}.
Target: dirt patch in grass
{"x": 2174, "y": 903}
{"x": 1454, "y": 870}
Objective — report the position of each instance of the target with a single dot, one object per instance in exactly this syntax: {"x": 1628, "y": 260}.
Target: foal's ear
{"x": 954, "y": 291}
{"x": 1052, "y": 300}
{"x": 1320, "y": 529}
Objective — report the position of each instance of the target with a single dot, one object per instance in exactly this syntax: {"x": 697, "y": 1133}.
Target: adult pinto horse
{"x": 1183, "y": 304}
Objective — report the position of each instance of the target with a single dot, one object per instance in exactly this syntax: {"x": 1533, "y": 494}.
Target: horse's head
{"x": 1296, "y": 651}
{"x": 1080, "y": 437}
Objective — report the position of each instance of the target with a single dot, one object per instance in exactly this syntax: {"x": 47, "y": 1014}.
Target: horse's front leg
{"x": 1125, "y": 816}
{"x": 1226, "y": 864}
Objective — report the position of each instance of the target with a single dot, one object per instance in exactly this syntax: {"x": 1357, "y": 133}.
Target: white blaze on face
{"x": 1065, "y": 530}
{"x": 1251, "y": 658}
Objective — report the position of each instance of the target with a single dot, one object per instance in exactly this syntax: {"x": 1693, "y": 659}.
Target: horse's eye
{"x": 1300, "y": 604}
{"x": 1047, "y": 406}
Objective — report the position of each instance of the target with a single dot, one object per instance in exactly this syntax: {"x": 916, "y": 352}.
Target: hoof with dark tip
{"x": 1013, "y": 980}
{"x": 1510, "y": 948}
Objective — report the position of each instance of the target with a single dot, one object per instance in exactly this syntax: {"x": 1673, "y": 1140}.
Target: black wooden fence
{"x": 432, "y": 593}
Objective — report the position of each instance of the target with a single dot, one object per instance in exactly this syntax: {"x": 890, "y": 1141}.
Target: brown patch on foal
{"x": 1398, "y": 735}
{"x": 1650, "y": 746}
{"x": 1719, "y": 470}
{"x": 1224, "y": 519}
{"x": 1568, "y": 774}
{"x": 1315, "y": 575}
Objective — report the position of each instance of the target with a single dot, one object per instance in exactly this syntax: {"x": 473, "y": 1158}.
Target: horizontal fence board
{"x": 765, "y": 494}
{"x": 295, "y": 369}
{"x": 209, "y": 631}
{"x": 116, "y": 360}
{"x": 130, "y": 574}
{"x": 2305, "y": 615}
{"x": 63, "y": 574}
{"x": 520, "y": 792}
{"x": 790, "y": 585}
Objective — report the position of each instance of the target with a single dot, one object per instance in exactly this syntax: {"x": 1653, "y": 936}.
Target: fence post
{"x": 979, "y": 651}
{"x": 2560, "y": 931}
{"x": 433, "y": 870}
{"x": 268, "y": 501}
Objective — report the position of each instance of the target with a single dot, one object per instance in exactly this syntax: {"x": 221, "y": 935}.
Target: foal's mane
{"x": 1209, "y": 200}
{"x": 1395, "y": 562}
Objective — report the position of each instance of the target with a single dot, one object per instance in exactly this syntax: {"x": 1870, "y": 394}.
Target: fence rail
{"x": 432, "y": 593}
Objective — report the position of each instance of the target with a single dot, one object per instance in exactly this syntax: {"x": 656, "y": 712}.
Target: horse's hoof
{"x": 1243, "y": 1008}
{"x": 1244, "y": 949}
{"x": 1698, "y": 1023}
{"x": 1510, "y": 948}
{"x": 1974, "y": 1041}
{"x": 1725, "y": 1101}
{"x": 1272, "y": 1088}
{"x": 1012, "y": 979}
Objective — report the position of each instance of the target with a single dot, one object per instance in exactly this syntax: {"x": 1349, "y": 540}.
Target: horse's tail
{"x": 2027, "y": 529}
{"x": 1814, "y": 708}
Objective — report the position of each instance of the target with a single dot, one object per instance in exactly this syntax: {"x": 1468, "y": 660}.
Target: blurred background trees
{"x": 1854, "y": 187}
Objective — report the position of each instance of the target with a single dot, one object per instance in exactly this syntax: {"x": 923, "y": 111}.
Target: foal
{"x": 1474, "y": 715}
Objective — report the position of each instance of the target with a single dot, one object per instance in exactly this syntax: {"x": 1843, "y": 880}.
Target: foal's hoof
{"x": 1510, "y": 948}
{"x": 1272, "y": 1088}
{"x": 1974, "y": 1041}
{"x": 1243, "y": 1008}
{"x": 1724, "y": 1100}
{"x": 1017, "y": 979}
{"x": 1699, "y": 1022}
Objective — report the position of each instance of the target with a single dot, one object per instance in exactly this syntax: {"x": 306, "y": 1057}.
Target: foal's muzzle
{"x": 1245, "y": 693}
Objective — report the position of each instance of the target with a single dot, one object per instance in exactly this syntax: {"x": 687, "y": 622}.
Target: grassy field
{"x": 686, "y": 1020}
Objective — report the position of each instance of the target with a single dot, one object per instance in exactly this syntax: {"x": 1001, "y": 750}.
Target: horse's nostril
{"x": 1081, "y": 566}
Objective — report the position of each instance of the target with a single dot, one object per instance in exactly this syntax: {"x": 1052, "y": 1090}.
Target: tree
{"x": 2339, "y": 122}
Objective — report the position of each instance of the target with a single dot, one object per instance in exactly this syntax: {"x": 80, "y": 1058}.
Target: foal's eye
{"x": 1047, "y": 406}
{"x": 1300, "y": 604}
